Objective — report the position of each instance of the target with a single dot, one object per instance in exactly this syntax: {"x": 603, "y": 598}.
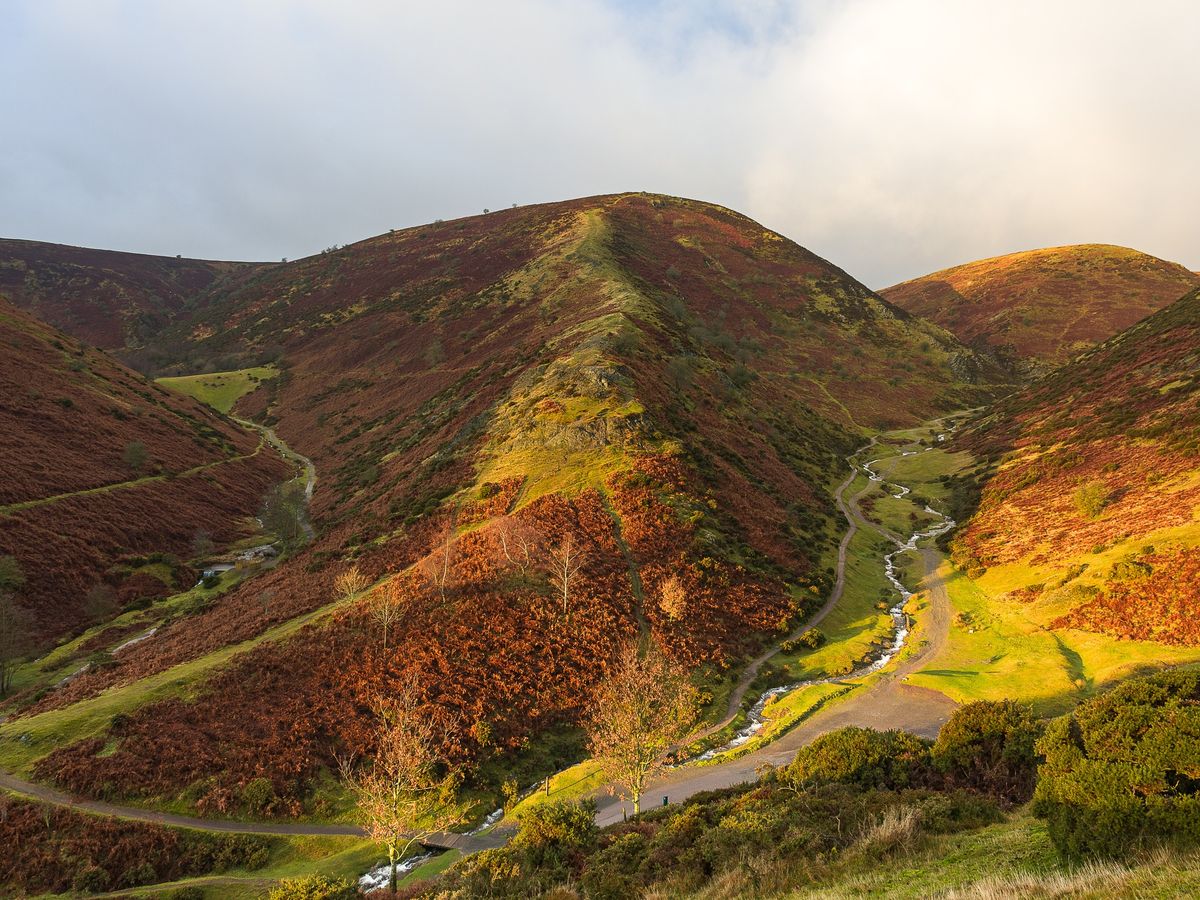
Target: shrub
{"x": 1091, "y": 498}
{"x": 809, "y": 640}
{"x": 861, "y": 757}
{"x": 258, "y": 794}
{"x": 1122, "y": 772}
{"x": 90, "y": 880}
{"x": 990, "y": 746}
{"x": 312, "y": 887}
{"x": 552, "y": 829}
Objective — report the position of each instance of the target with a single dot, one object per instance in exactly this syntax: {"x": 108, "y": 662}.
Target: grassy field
{"x": 220, "y": 390}
{"x": 1010, "y": 859}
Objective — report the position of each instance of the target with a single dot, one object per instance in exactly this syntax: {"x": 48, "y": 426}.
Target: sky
{"x": 892, "y": 137}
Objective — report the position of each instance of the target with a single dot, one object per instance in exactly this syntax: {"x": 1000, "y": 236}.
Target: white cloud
{"x": 892, "y": 136}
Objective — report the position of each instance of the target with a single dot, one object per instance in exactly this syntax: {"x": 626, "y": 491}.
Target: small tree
{"x": 135, "y": 455}
{"x": 15, "y": 639}
{"x": 283, "y": 514}
{"x": 518, "y": 543}
{"x": 646, "y": 707}
{"x": 563, "y": 563}
{"x": 404, "y": 794}
{"x": 101, "y": 602}
{"x": 672, "y": 598}
{"x": 350, "y": 583}
{"x": 387, "y": 607}
{"x": 202, "y": 544}
{"x": 12, "y": 576}
{"x": 438, "y": 566}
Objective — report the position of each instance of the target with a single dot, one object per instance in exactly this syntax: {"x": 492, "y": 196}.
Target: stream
{"x": 755, "y": 719}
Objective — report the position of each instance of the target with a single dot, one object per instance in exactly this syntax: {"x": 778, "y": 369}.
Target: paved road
{"x": 888, "y": 703}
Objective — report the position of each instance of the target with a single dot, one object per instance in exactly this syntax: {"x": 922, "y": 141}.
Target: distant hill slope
{"x": 663, "y": 384}
{"x": 86, "y": 443}
{"x": 1044, "y": 306}
{"x": 1093, "y": 508}
{"x": 106, "y": 298}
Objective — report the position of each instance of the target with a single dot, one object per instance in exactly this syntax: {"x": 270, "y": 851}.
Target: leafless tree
{"x": 350, "y": 583}
{"x": 563, "y": 562}
{"x": 438, "y": 566}
{"x": 404, "y": 793}
{"x": 388, "y": 603}
{"x": 646, "y": 707}
{"x": 518, "y": 543}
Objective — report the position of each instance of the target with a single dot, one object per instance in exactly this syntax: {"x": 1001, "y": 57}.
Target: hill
{"x": 1088, "y": 518}
{"x": 1041, "y": 307}
{"x": 106, "y": 298}
{"x": 661, "y": 384}
{"x": 109, "y": 477}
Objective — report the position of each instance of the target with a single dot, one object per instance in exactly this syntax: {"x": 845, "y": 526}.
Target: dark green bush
{"x": 989, "y": 746}
{"x": 861, "y": 757}
{"x": 313, "y": 887}
{"x": 557, "y": 826}
{"x": 1122, "y": 772}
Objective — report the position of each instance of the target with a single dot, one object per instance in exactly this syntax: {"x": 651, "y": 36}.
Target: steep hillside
{"x": 660, "y": 383}
{"x": 103, "y": 469}
{"x": 1044, "y": 306}
{"x": 106, "y": 298}
{"x": 1091, "y": 516}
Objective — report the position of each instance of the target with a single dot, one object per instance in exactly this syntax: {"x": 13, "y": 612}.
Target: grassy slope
{"x": 220, "y": 390}
{"x": 1123, "y": 416}
{"x": 1011, "y": 859}
{"x": 1045, "y": 305}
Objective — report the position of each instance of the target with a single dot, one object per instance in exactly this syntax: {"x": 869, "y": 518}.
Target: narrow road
{"x": 888, "y": 703}
{"x": 467, "y": 843}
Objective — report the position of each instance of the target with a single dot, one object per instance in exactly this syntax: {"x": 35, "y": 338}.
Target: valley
{"x": 466, "y": 463}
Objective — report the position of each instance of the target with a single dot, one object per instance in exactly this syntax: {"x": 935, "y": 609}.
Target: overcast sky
{"x": 893, "y": 137}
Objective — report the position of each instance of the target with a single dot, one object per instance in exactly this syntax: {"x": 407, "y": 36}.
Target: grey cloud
{"x": 891, "y": 136}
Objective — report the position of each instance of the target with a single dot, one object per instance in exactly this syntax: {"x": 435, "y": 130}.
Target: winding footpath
{"x": 886, "y": 703}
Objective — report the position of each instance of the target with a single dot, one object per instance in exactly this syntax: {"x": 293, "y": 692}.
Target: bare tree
{"x": 404, "y": 794}
{"x": 350, "y": 583}
{"x": 563, "y": 562}
{"x": 438, "y": 566}
{"x": 646, "y": 707}
{"x": 673, "y": 599}
{"x": 387, "y": 607}
{"x": 15, "y": 640}
{"x": 518, "y": 543}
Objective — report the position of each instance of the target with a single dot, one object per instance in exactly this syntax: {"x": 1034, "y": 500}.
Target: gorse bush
{"x": 313, "y": 887}
{"x": 1091, "y": 498}
{"x": 989, "y": 746}
{"x": 1123, "y": 771}
{"x": 863, "y": 758}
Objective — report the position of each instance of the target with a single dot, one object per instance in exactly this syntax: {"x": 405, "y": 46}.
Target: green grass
{"x": 64, "y": 659}
{"x": 220, "y": 390}
{"x": 855, "y": 624}
{"x": 1014, "y": 858}
{"x": 997, "y": 650}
